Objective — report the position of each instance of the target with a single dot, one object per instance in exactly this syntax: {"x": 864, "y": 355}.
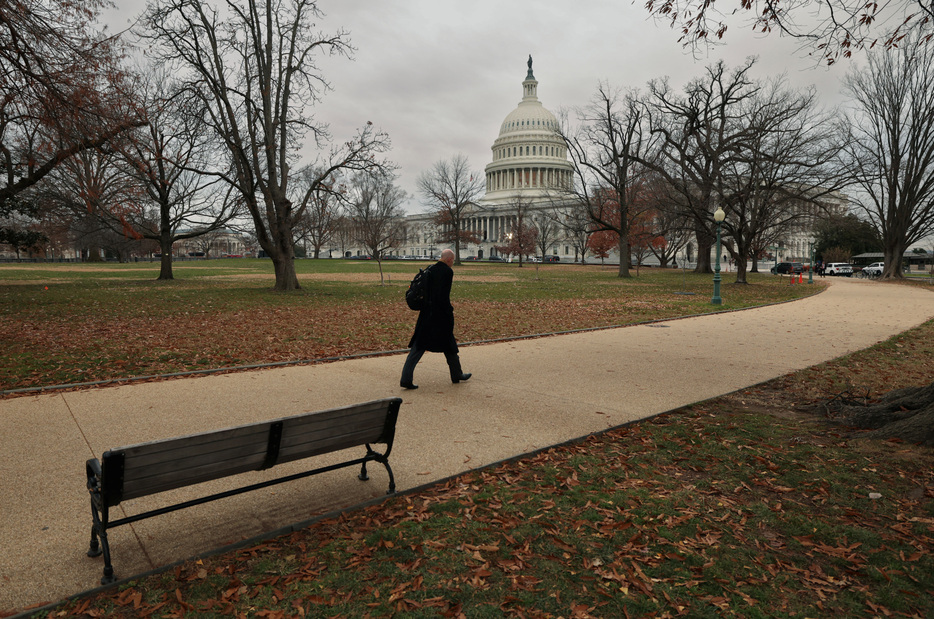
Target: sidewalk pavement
{"x": 524, "y": 395}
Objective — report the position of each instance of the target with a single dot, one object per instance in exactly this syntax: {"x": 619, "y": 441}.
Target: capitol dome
{"x": 529, "y": 156}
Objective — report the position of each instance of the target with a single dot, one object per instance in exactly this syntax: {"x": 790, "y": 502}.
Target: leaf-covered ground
{"x": 741, "y": 506}
{"x": 67, "y": 324}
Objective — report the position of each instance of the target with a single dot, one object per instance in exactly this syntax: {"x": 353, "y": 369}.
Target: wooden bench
{"x": 148, "y": 468}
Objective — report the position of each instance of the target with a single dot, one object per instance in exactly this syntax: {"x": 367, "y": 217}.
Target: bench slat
{"x": 173, "y": 463}
{"x": 354, "y": 430}
{"x": 169, "y": 475}
{"x": 207, "y": 437}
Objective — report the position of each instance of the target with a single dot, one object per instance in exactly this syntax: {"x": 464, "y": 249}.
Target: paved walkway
{"x": 524, "y": 395}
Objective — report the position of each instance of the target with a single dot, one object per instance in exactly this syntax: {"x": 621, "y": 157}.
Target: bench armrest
{"x": 94, "y": 471}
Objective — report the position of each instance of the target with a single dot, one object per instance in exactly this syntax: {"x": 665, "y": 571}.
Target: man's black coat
{"x": 434, "y": 330}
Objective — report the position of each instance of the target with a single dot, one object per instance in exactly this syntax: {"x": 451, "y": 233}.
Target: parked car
{"x": 471, "y": 259}
{"x": 495, "y": 259}
{"x": 839, "y": 268}
{"x": 787, "y": 267}
{"x": 534, "y": 259}
{"x": 874, "y": 269}
{"x": 551, "y": 259}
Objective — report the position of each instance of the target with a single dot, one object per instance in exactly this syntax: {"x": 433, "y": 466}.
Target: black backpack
{"x": 416, "y": 297}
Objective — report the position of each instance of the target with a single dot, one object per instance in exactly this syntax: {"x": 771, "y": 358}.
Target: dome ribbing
{"x": 529, "y": 156}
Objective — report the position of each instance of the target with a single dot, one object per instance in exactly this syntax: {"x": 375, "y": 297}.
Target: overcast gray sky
{"x": 440, "y": 76}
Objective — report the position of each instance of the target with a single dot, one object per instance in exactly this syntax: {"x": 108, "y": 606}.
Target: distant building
{"x": 529, "y": 164}
{"x": 530, "y": 170}
{"x": 221, "y": 243}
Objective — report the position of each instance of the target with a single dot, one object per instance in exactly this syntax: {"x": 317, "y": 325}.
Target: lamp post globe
{"x": 718, "y": 216}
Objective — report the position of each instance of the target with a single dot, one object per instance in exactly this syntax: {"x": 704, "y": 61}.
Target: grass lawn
{"x": 77, "y": 323}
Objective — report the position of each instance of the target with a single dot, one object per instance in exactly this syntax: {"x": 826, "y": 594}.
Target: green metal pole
{"x": 716, "y": 300}
{"x": 811, "y": 270}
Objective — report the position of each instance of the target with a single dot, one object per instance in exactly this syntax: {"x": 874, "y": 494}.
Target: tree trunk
{"x": 165, "y": 265}
{"x": 286, "y": 279}
{"x": 704, "y": 243}
{"x": 906, "y": 414}
{"x": 893, "y": 253}
{"x": 740, "y": 264}
{"x": 165, "y": 246}
{"x": 624, "y": 256}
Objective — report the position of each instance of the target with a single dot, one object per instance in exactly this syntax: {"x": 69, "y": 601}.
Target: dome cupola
{"x": 529, "y": 156}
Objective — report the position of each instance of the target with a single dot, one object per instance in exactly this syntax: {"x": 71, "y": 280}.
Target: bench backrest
{"x": 156, "y": 466}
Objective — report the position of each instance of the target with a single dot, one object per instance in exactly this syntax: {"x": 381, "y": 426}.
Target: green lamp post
{"x": 718, "y": 216}
{"x": 811, "y": 270}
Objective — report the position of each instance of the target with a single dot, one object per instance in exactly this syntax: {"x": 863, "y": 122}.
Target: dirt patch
{"x": 366, "y": 278}
{"x": 489, "y": 279}
{"x": 45, "y": 282}
{"x": 76, "y": 268}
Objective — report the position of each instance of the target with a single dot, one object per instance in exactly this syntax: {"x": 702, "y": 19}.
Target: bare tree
{"x": 451, "y": 189}
{"x": 166, "y": 158}
{"x": 763, "y": 153}
{"x": 700, "y": 139}
{"x": 251, "y": 63}
{"x": 520, "y": 240}
{"x": 832, "y": 28}
{"x": 343, "y": 232}
{"x": 92, "y": 185}
{"x": 669, "y": 222}
{"x": 547, "y": 228}
{"x": 376, "y": 215}
{"x": 96, "y": 240}
{"x": 788, "y": 164}
{"x": 607, "y": 149}
{"x": 892, "y": 147}
{"x": 574, "y": 221}
{"x": 62, "y": 91}
{"x": 318, "y": 223}
{"x": 208, "y": 241}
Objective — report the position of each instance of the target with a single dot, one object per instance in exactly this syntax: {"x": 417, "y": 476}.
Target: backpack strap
{"x": 428, "y": 286}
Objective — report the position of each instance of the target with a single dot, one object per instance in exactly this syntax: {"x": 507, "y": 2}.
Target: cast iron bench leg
{"x": 99, "y": 544}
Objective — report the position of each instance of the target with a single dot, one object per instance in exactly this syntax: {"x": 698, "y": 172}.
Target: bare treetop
{"x": 830, "y": 28}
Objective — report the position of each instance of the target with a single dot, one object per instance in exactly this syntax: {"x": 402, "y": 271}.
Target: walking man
{"x": 434, "y": 330}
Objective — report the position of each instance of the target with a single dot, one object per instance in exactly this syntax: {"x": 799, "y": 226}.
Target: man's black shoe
{"x": 408, "y": 386}
{"x": 463, "y": 378}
